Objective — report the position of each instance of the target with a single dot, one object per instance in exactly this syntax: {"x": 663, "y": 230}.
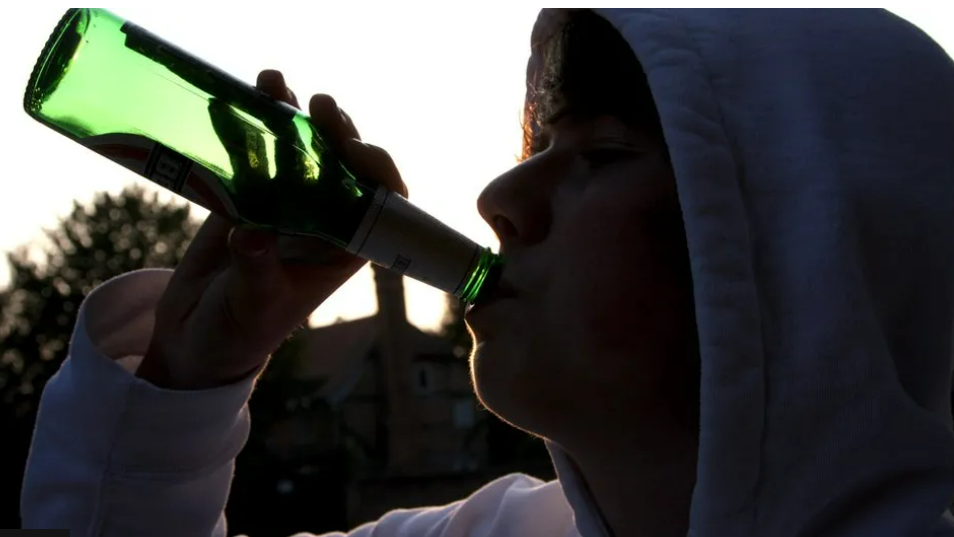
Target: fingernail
{"x": 252, "y": 243}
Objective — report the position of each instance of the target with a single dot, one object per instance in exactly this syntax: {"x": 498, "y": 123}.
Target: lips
{"x": 501, "y": 291}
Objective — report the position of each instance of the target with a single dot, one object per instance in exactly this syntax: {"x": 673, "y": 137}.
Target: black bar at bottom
{"x": 34, "y": 533}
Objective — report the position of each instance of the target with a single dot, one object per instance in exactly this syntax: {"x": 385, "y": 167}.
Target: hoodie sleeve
{"x": 113, "y": 455}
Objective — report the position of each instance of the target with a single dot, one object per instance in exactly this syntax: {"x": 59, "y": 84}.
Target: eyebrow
{"x": 538, "y": 142}
{"x": 541, "y": 130}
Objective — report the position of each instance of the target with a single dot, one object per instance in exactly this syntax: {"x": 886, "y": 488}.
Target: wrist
{"x": 157, "y": 369}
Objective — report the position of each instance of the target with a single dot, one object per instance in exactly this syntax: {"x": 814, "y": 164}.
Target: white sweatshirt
{"x": 115, "y": 456}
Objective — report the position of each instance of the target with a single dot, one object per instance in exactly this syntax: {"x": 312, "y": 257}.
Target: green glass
{"x": 221, "y": 143}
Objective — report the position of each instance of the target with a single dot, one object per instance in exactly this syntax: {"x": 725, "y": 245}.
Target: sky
{"x": 440, "y": 89}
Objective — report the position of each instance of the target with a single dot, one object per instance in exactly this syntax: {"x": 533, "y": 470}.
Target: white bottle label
{"x": 401, "y": 237}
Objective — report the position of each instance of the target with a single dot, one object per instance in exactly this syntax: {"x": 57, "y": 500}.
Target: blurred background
{"x": 333, "y": 444}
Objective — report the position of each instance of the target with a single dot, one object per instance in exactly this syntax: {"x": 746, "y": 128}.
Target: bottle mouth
{"x": 59, "y": 50}
{"x": 485, "y": 278}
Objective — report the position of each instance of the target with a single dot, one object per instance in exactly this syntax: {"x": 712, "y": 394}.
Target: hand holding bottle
{"x": 233, "y": 299}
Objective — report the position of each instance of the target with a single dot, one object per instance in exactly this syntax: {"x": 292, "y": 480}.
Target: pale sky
{"x": 440, "y": 89}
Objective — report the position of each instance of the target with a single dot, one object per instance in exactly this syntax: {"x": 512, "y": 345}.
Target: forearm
{"x": 115, "y": 455}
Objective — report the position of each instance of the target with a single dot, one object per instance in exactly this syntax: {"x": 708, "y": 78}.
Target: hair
{"x": 588, "y": 70}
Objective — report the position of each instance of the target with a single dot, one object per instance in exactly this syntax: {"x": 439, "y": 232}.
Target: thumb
{"x": 251, "y": 247}
{"x": 254, "y": 278}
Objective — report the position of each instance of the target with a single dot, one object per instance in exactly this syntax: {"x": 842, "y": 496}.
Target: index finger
{"x": 332, "y": 120}
{"x": 272, "y": 82}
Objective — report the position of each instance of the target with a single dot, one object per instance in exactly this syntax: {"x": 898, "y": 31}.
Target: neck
{"x": 641, "y": 487}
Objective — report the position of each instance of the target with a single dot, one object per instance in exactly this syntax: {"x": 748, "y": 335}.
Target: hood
{"x": 814, "y": 158}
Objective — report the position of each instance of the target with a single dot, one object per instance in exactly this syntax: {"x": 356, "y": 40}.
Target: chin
{"x": 491, "y": 372}
{"x": 505, "y": 385}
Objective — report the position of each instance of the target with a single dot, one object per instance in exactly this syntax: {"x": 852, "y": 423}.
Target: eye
{"x": 606, "y": 156}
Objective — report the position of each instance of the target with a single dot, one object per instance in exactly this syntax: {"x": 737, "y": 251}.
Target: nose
{"x": 517, "y": 205}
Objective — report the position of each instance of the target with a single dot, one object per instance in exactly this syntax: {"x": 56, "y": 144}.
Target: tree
{"x": 113, "y": 235}
{"x": 116, "y": 234}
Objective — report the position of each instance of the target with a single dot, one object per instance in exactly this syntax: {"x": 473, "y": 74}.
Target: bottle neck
{"x": 402, "y": 238}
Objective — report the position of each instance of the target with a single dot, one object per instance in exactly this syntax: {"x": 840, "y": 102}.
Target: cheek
{"x": 620, "y": 286}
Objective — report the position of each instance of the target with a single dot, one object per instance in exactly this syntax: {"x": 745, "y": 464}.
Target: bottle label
{"x": 165, "y": 167}
{"x": 401, "y": 237}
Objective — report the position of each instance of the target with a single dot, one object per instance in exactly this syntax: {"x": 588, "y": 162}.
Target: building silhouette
{"x": 398, "y": 397}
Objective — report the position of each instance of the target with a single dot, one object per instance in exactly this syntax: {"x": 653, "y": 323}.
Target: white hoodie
{"x": 814, "y": 156}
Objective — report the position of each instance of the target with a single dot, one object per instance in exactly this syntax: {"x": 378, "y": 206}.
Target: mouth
{"x": 502, "y": 290}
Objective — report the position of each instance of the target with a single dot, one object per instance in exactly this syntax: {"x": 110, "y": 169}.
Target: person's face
{"x": 600, "y": 318}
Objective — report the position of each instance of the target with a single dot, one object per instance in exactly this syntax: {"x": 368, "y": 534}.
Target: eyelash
{"x": 598, "y": 158}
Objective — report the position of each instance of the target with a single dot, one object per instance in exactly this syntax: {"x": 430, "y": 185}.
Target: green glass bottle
{"x": 221, "y": 143}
